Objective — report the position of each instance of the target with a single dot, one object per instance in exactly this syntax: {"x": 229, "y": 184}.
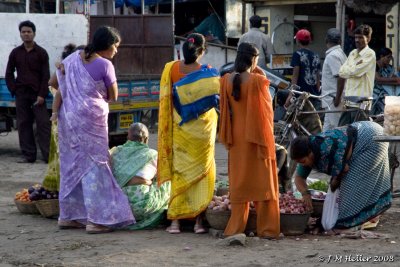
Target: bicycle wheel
{"x": 280, "y": 135}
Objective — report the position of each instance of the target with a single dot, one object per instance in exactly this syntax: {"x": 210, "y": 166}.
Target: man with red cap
{"x": 306, "y": 67}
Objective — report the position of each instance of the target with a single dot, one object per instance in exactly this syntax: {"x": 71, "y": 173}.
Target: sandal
{"x": 173, "y": 228}
{"x": 97, "y": 229}
{"x": 199, "y": 229}
{"x": 70, "y": 225}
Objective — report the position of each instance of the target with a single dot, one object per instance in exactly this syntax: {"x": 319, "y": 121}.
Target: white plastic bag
{"x": 330, "y": 211}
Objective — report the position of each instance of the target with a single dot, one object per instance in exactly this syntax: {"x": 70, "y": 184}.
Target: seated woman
{"x": 358, "y": 166}
{"x": 134, "y": 165}
{"x": 386, "y": 81}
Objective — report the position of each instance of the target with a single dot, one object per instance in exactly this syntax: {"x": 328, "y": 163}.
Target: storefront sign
{"x": 392, "y": 32}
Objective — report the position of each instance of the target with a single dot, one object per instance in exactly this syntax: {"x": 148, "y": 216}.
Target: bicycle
{"x": 302, "y": 119}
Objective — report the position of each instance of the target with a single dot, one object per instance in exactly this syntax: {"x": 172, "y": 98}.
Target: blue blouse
{"x": 329, "y": 150}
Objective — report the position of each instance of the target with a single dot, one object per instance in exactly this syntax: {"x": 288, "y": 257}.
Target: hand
{"x": 346, "y": 168}
{"x": 39, "y": 100}
{"x": 336, "y": 102}
{"x": 308, "y": 201}
{"x": 335, "y": 183}
{"x": 54, "y": 117}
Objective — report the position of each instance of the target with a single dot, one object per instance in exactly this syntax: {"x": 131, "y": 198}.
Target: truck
{"x": 148, "y": 42}
{"x": 138, "y": 65}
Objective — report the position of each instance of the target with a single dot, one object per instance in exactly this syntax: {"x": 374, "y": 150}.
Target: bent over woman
{"x": 246, "y": 129}
{"x": 358, "y": 165}
{"x": 186, "y": 133}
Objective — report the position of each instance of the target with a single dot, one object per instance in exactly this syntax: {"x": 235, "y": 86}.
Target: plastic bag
{"x": 330, "y": 211}
{"x": 391, "y": 125}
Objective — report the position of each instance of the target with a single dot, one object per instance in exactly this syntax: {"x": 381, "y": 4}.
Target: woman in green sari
{"x": 134, "y": 165}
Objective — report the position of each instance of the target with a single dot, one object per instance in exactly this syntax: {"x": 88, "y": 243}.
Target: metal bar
{"x": 27, "y": 5}
{"x": 57, "y": 6}
{"x": 142, "y": 6}
{"x": 328, "y": 111}
{"x": 210, "y": 44}
{"x": 243, "y": 17}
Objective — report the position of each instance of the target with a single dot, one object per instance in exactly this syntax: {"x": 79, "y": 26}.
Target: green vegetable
{"x": 319, "y": 185}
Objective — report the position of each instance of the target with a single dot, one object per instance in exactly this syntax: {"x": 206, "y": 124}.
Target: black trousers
{"x": 27, "y": 114}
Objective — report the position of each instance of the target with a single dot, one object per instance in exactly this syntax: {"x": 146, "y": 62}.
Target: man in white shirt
{"x": 359, "y": 72}
{"x": 331, "y": 82}
{"x": 259, "y": 39}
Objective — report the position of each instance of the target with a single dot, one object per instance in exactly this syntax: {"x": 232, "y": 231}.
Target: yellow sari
{"x": 186, "y": 155}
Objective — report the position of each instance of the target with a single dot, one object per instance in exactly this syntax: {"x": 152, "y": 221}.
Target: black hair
{"x": 255, "y": 21}
{"x": 27, "y": 23}
{"x": 193, "y": 46}
{"x": 244, "y": 59}
{"x": 304, "y": 42}
{"x": 103, "y": 38}
{"x": 300, "y": 147}
{"x": 68, "y": 49}
{"x": 365, "y": 30}
{"x": 383, "y": 52}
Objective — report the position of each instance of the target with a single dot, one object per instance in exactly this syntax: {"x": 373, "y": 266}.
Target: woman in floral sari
{"x": 89, "y": 194}
{"x": 358, "y": 166}
{"x": 134, "y": 165}
{"x": 186, "y": 133}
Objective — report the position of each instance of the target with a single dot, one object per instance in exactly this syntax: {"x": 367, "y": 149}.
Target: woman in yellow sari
{"x": 186, "y": 133}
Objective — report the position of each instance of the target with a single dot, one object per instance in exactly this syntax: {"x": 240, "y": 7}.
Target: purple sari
{"x": 88, "y": 189}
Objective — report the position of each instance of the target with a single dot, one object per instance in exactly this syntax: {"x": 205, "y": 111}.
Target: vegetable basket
{"x": 219, "y": 219}
{"x": 26, "y": 207}
{"x": 294, "y": 224}
{"x": 48, "y": 208}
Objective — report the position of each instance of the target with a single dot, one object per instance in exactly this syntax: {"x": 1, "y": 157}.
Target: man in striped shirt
{"x": 359, "y": 72}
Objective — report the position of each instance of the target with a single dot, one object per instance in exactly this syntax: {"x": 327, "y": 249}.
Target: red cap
{"x": 303, "y": 35}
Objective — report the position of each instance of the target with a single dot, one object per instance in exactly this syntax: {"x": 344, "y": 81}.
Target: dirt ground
{"x": 30, "y": 240}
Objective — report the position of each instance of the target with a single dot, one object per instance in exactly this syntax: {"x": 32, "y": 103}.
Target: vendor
{"x": 134, "y": 166}
{"x": 357, "y": 165}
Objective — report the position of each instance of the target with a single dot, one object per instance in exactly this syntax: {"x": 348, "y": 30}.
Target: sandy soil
{"x": 30, "y": 240}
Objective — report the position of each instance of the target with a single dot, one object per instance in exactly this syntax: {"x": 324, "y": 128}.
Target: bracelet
{"x": 307, "y": 192}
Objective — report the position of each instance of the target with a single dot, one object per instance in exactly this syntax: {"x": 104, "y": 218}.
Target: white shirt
{"x": 261, "y": 41}
{"x": 334, "y": 59}
{"x": 359, "y": 72}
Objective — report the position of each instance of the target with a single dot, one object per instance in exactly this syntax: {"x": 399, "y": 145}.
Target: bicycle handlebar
{"x": 311, "y": 95}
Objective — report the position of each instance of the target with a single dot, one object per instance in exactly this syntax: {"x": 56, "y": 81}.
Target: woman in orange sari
{"x": 187, "y": 129}
{"x": 246, "y": 130}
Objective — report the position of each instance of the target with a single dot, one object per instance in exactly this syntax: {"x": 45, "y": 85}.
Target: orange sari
{"x": 246, "y": 129}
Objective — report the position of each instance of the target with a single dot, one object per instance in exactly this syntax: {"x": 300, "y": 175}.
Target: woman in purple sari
{"x": 89, "y": 193}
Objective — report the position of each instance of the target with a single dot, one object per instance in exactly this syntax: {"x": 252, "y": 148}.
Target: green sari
{"x": 52, "y": 179}
{"x": 147, "y": 202}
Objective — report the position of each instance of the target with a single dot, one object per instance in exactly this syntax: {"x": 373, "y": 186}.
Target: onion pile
{"x": 290, "y": 205}
{"x": 222, "y": 203}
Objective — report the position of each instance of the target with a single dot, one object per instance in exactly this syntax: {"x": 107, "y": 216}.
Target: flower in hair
{"x": 191, "y": 40}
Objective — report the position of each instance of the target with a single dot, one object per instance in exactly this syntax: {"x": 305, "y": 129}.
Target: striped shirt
{"x": 359, "y": 77}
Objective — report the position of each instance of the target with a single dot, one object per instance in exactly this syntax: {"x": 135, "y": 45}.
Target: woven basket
{"x": 318, "y": 206}
{"x": 48, "y": 208}
{"x": 219, "y": 219}
{"x": 26, "y": 207}
{"x": 294, "y": 224}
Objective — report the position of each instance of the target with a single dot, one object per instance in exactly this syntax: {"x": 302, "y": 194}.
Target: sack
{"x": 196, "y": 93}
{"x": 330, "y": 211}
